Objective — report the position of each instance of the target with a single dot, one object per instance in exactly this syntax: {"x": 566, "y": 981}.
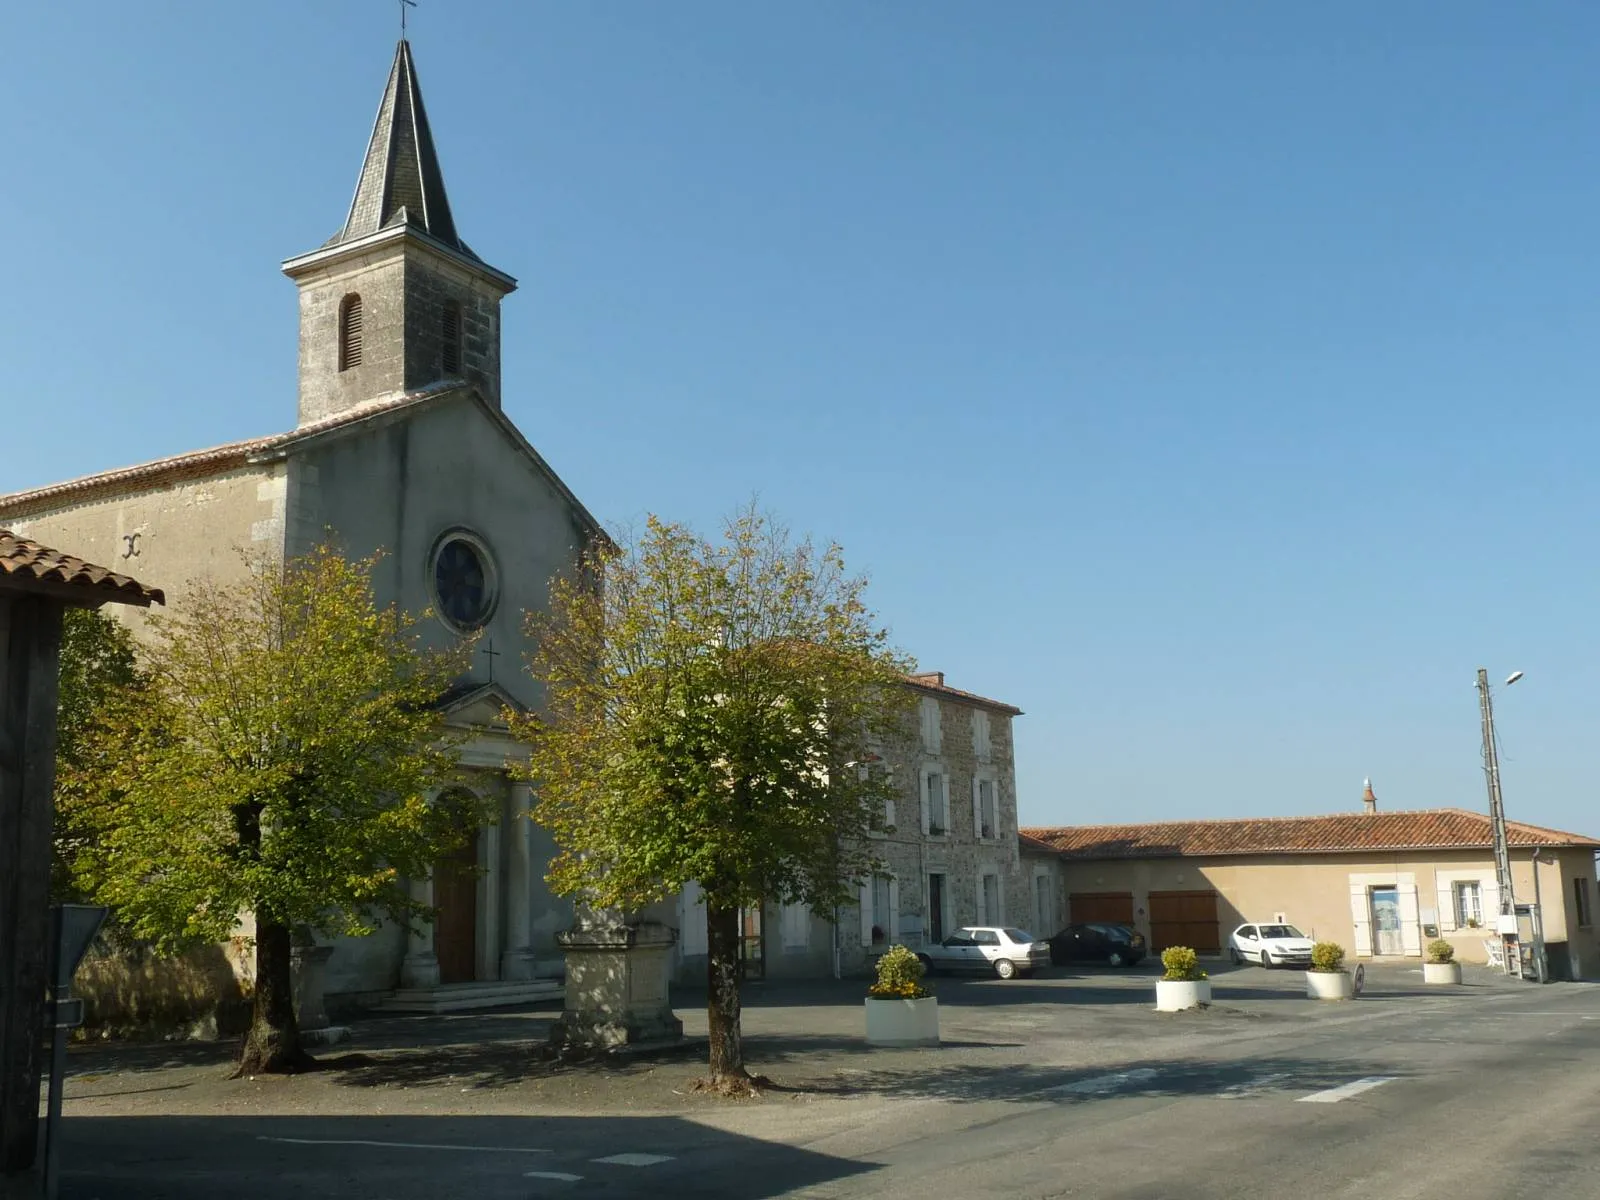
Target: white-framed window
{"x": 931, "y": 732}
{"x": 985, "y": 809}
{"x": 880, "y": 910}
{"x": 1468, "y": 904}
{"x": 980, "y": 735}
{"x": 1580, "y": 896}
{"x": 990, "y": 910}
{"x": 935, "y": 802}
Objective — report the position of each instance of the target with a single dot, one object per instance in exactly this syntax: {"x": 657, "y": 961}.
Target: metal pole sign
{"x": 74, "y": 927}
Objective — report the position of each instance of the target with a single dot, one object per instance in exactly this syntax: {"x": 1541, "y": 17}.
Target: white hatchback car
{"x": 1270, "y": 945}
{"x": 1001, "y": 949}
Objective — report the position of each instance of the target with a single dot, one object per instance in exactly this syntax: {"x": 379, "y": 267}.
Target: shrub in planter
{"x": 901, "y": 1011}
{"x": 1327, "y": 979}
{"x": 1184, "y": 985}
{"x": 1441, "y": 965}
{"x": 1327, "y": 957}
{"x": 1181, "y": 963}
{"x": 899, "y": 977}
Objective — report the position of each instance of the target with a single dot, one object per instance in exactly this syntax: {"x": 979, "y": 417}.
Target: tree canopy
{"x": 282, "y": 760}
{"x": 708, "y": 706}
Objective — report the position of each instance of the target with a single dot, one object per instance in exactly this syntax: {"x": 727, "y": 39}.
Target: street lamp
{"x": 1497, "y": 811}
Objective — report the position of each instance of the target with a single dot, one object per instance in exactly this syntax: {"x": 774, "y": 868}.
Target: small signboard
{"x": 76, "y": 925}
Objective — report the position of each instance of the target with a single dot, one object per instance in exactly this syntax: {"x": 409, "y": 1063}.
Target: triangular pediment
{"x": 481, "y": 707}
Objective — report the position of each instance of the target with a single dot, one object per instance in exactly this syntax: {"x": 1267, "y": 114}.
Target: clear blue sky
{"x": 1214, "y": 381}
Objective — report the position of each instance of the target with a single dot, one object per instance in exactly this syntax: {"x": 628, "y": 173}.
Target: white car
{"x": 1270, "y": 945}
{"x": 987, "y": 948}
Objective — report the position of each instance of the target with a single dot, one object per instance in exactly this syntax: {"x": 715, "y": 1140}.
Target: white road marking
{"x": 1250, "y": 1087}
{"x": 561, "y": 1175}
{"x": 634, "y": 1160}
{"x": 401, "y": 1145}
{"x": 1345, "y": 1090}
{"x": 1100, "y": 1083}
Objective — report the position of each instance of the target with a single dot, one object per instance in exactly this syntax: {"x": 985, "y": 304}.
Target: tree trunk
{"x": 272, "y": 1047}
{"x": 722, "y": 994}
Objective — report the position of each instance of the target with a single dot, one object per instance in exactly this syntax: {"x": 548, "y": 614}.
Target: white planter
{"x": 1175, "y": 995}
{"x": 903, "y": 1022}
{"x": 1449, "y": 972}
{"x": 1330, "y": 985}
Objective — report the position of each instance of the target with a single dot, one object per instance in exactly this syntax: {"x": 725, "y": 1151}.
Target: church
{"x": 400, "y": 445}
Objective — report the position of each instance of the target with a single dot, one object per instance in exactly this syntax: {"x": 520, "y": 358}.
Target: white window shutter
{"x": 927, "y": 784}
{"x": 1361, "y": 919}
{"x": 866, "y": 913}
{"x": 888, "y": 814}
{"x": 796, "y": 923}
{"x": 977, "y": 811}
{"x": 1410, "y": 930}
{"x": 691, "y": 921}
{"x": 893, "y": 928}
{"x": 1445, "y": 897}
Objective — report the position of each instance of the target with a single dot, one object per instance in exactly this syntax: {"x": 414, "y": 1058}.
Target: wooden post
{"x": 30, "y": 644}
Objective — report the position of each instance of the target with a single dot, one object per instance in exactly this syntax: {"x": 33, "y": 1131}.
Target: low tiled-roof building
{"x": 1379, "y": 883}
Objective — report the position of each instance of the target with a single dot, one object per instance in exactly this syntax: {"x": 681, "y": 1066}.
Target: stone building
{"x": 400, "y": 445}
{"x": 949, "y": 845}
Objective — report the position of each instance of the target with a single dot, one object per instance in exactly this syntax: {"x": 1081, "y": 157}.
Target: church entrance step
{"x": 463, "y": 997}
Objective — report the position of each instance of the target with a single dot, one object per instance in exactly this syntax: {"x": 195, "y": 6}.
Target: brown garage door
{"x": 1185, "y": 919}
{"x": 1100, "y": 906}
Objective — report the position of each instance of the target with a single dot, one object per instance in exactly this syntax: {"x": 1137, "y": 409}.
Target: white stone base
{"x": 903, "y": 1022}
{"x": 1176, "y": 995}
{"x": 1330, "y": 985}
{"x": 1449, "y": 972}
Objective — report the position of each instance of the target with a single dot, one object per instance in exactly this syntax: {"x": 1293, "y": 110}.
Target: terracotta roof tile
{"x": 933, "y": 682}
{"x": 1429, "y": 829}
{"x": 23, "y": 561}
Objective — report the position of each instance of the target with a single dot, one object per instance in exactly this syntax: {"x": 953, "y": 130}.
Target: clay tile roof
{"x": 1429, "y": 829}
{"x": 933, "y": 683}
{"x": 23, "y": 562}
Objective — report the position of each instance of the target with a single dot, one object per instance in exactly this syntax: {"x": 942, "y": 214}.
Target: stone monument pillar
{"x": 617, "y": 976}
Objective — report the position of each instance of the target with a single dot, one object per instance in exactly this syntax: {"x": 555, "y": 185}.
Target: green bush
{"x": 1441, "y": 951}
{"x": 899, "y": 976}
{"x": 1327, "y": 957}
{"x": 1182, "y": 964}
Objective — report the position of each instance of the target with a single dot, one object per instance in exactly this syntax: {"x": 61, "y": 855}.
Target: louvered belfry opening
{"x": 451, "y": 331}
{"x": 350, "y": 332}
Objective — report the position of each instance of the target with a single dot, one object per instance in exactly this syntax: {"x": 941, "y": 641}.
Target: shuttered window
{"x": 350, "y": 332}
{"x": 450, "y": 328}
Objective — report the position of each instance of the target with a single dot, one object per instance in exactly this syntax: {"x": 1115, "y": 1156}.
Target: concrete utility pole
{"x": 1497, "y": 810}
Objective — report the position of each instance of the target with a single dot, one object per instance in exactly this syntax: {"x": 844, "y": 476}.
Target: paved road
{"x": 1477, "y": 1094}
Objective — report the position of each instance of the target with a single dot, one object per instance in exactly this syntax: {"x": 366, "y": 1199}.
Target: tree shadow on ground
{"x": 412, "y": 1157}
{"x": 1030, "y": 1083}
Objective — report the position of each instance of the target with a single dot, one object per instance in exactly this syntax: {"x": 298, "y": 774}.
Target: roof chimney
{"x": 1368, "y": 800}
{"x": 933, "y": 678}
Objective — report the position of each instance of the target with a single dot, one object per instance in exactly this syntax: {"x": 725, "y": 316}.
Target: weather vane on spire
{"x": 405, "y": 4}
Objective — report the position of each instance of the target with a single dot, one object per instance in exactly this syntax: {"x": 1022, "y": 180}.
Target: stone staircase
{"x": 464, "y": 997}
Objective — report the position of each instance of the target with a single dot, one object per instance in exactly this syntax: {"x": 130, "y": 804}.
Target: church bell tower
{"x": 395, "y": 301}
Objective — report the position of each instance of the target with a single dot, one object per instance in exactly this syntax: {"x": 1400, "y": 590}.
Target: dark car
{"x": 1116, "y": 945}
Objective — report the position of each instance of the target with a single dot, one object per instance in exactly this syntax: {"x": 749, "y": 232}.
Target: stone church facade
{"x": 400, "y": 445}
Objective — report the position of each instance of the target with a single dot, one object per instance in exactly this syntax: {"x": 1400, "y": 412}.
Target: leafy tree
{"x": 281, "y": 763}
{"x": 98, "y": 664}
{"x": 707, "y": 704}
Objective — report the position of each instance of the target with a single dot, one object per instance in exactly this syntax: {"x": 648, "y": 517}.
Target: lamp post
{"x": 1497, "y": 811}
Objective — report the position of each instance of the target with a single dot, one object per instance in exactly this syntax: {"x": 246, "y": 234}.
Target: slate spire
{"x": 401, "y": 183}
